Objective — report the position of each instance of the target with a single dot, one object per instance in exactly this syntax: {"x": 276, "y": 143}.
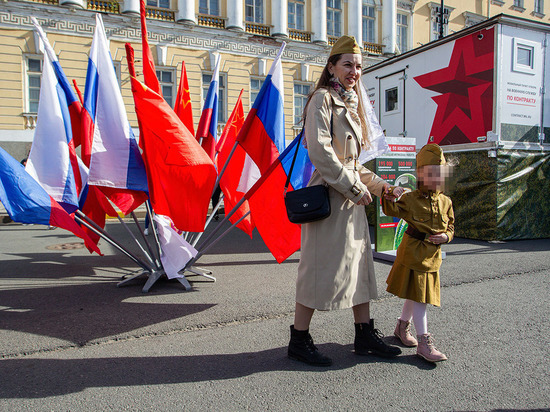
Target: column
{"x": 355, "y": 20}
{"x": 279, "y": 18}
{"x": 186, "y": 11}
{"x": 389, "y": 26}
{"x": 319, "y": 21}
{"x": 76, "y": 3}
{"x": 130, "y": 7}
{"x": 235, "y": 15}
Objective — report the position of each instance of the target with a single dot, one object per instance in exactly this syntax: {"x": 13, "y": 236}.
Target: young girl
{"x": 415, "y": 273}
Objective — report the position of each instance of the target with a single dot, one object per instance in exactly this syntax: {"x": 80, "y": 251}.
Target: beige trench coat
{"x": 336, "y": 265}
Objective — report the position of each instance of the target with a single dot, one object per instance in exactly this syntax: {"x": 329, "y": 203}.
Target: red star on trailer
{"x": 465, "y": 104}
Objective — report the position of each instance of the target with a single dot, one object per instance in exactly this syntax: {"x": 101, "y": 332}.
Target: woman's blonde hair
{"x": 324, "y": 83}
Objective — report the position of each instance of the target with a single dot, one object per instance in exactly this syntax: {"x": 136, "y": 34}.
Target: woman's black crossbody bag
{"x": 308, "y": 204}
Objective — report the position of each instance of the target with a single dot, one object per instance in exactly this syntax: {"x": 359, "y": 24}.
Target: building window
{"x": 296, "y": 15}
{"x": 301, "y": 93}
{"x": 210, "y": 7}
{"x": 436, "y": 18}
{"x": 402, "y": 32}
{"x": 206, "y": 79}
{"x": 518, "y": 6}
{"x": 254, "y": 11}
{"x": 392, "y": 100}
{"x": 539, "y": 7}
{"x": 166, "y": 80}
{"x": 118, "y": 69}
{"x": 255, "y": 86}
{"x": 368, "y": 21}
{"x": 334, "y": 18}
{"x": 164, "y": 4}
{"x": 34, "y": 71}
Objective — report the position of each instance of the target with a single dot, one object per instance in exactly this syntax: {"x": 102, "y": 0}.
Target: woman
{"x": 336, "y": 265}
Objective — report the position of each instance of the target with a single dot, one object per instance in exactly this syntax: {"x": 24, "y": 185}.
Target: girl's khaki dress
{"x": 415, "y": 272}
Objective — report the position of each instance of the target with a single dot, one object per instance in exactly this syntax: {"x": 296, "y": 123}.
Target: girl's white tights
{"x": 418, "y": 313}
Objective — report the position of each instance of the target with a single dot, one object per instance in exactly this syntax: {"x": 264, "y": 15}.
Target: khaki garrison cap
{"x": 431, "y": 154}
{"x": 345, "y": 44}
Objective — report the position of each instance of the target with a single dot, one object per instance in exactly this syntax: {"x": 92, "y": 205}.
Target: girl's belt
{"x": 417, "y": 234}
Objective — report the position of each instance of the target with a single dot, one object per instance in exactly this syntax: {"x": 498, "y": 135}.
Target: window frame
{"x": 303, "y": 22}
{"x": 157, "y": 4}
{"x": 304, "y": 97}
{"x": 372, "y": 5}
{"x": 331, "y": 31}
{"x": 261, "y": 82}
{"x": 538, "y": 8}
{"x": 172, "y": 71}
{"x": 518, "y": 44}
{"x": 255, "y": 7}
{"x": 27, "y": 86}
{"x": 408, "y": 30}
{"x": 209, "y": 7}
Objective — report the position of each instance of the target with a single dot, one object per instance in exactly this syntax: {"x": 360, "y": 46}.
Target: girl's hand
{"x": 439, "y": 238}
{"x": 366, "y": 199}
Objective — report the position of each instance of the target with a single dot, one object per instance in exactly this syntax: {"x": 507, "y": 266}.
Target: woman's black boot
{"x": 369, "y": 340}
{"x": 301, "y": 348}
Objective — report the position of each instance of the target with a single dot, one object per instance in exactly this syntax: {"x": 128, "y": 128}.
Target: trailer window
{"x": 392, "y": 102}
{"x": 525, "y": 56}
{"x": 523, "y": 60}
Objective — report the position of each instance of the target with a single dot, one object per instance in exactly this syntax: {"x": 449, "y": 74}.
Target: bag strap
{"x": 296, "y": 153}
{"x": 293, "y": 161}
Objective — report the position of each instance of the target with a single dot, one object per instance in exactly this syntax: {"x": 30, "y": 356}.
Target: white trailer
{"x": 483, "y": 94}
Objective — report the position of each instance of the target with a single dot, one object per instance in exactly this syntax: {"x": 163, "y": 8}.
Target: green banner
{"x": 398, "y": 168}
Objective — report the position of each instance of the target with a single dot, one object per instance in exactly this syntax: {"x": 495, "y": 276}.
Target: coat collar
{"x": 337, "y": 100}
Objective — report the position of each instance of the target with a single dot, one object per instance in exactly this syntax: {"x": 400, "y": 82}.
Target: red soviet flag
{"x": 182, "y": 106}
{"x": 180, "y": 174}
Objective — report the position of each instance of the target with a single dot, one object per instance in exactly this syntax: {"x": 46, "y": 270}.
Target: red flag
{"x": 267, "y": 201}
{"x": 183, "y": 101}
{"x": 232, "y": 174}
{"x": 149, "y": 73}
{"x": 96, "y": 207}
{"x": 181, "y": 176}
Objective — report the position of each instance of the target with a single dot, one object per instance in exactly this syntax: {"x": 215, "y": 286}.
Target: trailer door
{"x": 392, "y": 104}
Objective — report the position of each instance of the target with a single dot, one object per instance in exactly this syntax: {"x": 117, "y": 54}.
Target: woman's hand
{"x": 366, "y": 199}
{"x": 439, "y": 238}
{"x": 393, "y": 192}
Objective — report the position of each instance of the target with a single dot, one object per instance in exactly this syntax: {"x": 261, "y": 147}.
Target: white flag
{"x": 175, "y": 251}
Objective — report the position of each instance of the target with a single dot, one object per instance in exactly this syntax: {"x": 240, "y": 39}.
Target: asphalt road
{"x": 70, "y": 340}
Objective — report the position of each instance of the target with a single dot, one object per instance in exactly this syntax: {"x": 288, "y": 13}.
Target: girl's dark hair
{"x": 324, "y": 83}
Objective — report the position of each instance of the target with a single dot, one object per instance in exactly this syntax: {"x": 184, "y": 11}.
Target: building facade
{"x": 247, "y": 34}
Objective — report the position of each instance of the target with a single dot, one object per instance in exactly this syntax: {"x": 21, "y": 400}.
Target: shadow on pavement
{"x": 39, "y": 378}
{"x": 81, "y": 313}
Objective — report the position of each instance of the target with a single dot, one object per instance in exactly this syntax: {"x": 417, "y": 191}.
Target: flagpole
{"x": 247, "y": 195}
{"x": 155, "y": 235}
{"x": 149, "y": 258}
{"x": 218, "y": 227}
{"x": 90, "y": 224}
{"x": 215, "y": 241}
{"x": 157, "y": 262}
{"x": 199, "y": 235}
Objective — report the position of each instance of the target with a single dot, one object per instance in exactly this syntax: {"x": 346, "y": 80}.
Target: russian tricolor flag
{"x": 52, "y": 161}
{"x": 263, "y": 133}
{"x": 114, "y": 157}
{"x": 207, "y": 130}
{"x": 262, "y": 137}
{"x": 27, "y": 202}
